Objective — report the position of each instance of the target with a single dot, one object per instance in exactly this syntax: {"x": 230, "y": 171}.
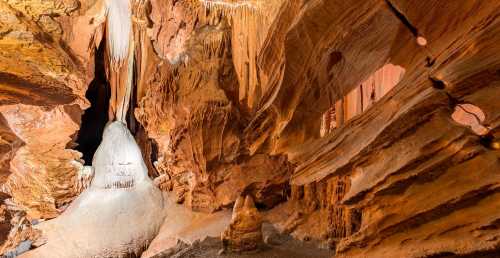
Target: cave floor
{"x": 289, "y": 248}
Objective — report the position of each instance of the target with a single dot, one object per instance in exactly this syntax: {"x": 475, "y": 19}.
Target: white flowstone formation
{"x": 120, "y": 43}
{"x": 122, "y": 109}
{"x": 118, "y": 215}
{"x": 119, "y": 28}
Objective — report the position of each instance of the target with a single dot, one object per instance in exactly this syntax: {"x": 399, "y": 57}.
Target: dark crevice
{"x": 402, "y": 18}
{"x": 130, "y": 117}
{"x": 95, "y": 118}
{"x": 494, "y": 253}
{"x": 437, "y": 84}
{"x": 154, "y": 150}
{"x": 488, "y": 141}
{"x": 429, "y": 61}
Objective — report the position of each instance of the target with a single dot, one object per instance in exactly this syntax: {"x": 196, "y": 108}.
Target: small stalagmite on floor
{"x": 244, "y": 233}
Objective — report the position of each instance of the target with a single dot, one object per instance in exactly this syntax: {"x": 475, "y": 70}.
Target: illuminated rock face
{"x": 229, "y": 97}
{"x": 118, "y": 215}
{"x": 43, "y": 86}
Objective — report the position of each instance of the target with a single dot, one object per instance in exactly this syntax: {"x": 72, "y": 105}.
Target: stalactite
{"x": 249, "y": 20}
{"x": 215, "y": 43}
{"x": 119, "y": 29}
{"x": 231, "y": 8}
{"x": 123, "y": 108}
{"x": 84, "y": 177}
{"x": 120, "y": 43}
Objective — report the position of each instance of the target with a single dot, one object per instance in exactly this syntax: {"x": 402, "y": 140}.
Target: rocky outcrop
{"x": 36, "y": 69}
{"x": 43, "y": 82}
{"x": 42, "y": 169}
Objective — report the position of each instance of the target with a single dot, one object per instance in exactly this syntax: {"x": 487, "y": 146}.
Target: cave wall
{"x": 43, "y": 86}
{"x": 418, "y": 177}
{"x": 197, "y": 120}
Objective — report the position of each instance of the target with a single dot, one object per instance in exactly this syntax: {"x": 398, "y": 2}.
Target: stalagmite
{"x": 118, "y": 215}
{"x": 245, "y": 230}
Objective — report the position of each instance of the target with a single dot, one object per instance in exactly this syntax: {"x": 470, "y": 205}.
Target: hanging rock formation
{"x": 369, "y": 127}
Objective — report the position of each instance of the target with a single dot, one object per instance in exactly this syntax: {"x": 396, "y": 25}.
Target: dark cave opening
{"x": 96, "y": 116}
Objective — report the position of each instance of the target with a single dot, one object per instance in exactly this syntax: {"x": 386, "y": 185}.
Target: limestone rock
{"x": 199, "y": 129}
{"x": 22, "y": 235}
{"x": 42, "y": 169}
{"x": 43, "y": 85}
{"x": 244, "y": 233}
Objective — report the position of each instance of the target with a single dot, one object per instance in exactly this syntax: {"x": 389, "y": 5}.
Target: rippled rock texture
{"x": 369, "y": 126}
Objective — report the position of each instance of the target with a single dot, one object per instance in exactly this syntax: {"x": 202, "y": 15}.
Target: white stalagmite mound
{"x": 118, "y": 215}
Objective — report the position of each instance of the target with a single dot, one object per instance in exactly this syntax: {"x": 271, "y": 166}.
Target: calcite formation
{"x": 244, "y": 233}
{"x": 371, "y": 127}
{"x": 98, "y": 222}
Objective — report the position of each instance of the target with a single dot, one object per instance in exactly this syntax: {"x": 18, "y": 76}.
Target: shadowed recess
{"x": 95, "y": 118}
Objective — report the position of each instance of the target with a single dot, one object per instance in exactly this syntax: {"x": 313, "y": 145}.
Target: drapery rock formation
{"x": 371, "y": 127}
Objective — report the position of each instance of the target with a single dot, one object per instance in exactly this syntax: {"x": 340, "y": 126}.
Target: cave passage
{"x": 95, "y": 118}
